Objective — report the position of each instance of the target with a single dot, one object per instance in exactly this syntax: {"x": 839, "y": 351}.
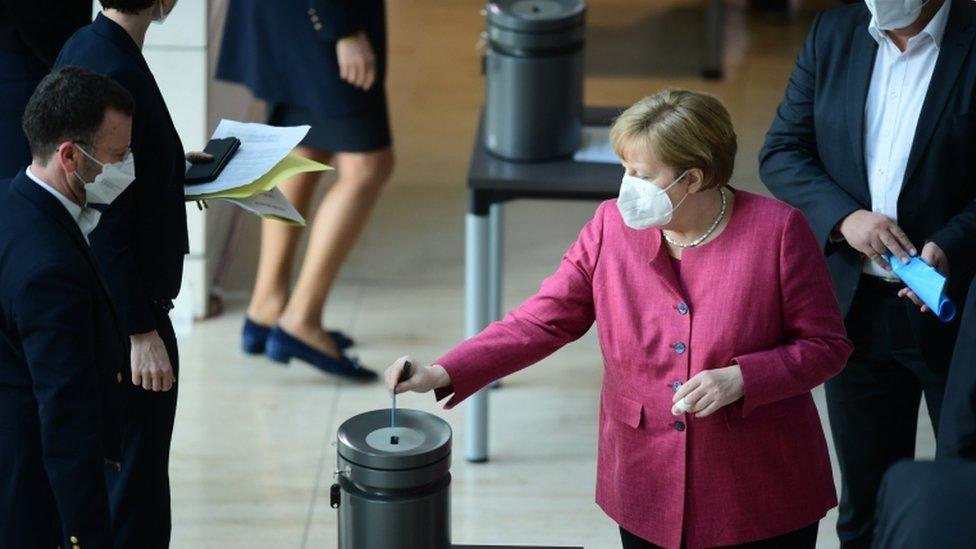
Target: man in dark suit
{"x": 875, "y": 141}
{"x": 31, "y": 35}
{"x": 63, "y": 356}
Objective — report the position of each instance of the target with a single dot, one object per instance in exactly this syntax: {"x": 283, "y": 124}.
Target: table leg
{"x": 477, "y": 316}
{"x": 496, "y": 241}
{"x": 496, "y": 222}
{"x": 714, "y": 38}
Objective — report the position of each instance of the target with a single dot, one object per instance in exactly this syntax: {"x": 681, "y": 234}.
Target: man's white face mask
{"x": 895, "y": 14}
{"x": 109, "y": 184}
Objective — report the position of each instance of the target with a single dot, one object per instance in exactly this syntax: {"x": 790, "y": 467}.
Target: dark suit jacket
{"x": 31, "y": 35}
{"x": 302, "y": 70}
{"x": 957, "y": 421}
{"x": 141, "y": 240}
{"x": 927, "y": 504}
{"x": 814, "y": 153}
{"x": 63, "y": 360}
{"x": 41, "y": 27}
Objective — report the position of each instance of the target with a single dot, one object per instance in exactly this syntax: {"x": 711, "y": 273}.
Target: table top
{"x": 492, "y": 179}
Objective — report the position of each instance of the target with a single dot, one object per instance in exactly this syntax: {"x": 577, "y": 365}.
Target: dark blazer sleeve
{"x": 45, "y": 25}
{"x": 53, "y": 313}
{"x": 114, "y": 246}
{"x": 789, "y": 163}
{"x": 338, "y": 18}
{"x": 957, "y": 423}
{"x": 958, "y": 240}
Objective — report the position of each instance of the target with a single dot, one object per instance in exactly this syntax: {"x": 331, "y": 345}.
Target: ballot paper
{"x": 288, "y": 166}
{"x": 272, "y": 205}
{"x": 251, "y": 178}
{"x": 262, "y": 148}
{"x": 595, "y": 146}
{"x": 927, "y": 283}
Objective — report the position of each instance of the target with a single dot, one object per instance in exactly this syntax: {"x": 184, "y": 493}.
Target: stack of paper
{"x": 251, "y": 178}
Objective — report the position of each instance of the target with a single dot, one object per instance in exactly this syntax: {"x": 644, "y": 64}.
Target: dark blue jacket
{"x": 63, "y": 360}
{"x": 285, "y": 52}
{"x": 30, "y": 39}
{"x": 142, "y": 238}
{"x": 814, "y": 153}
{"x": 957, "y": 420}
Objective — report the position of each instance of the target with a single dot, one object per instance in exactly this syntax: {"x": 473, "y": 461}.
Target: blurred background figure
{"x": 30, "y": 39}
{"x": 328, "y": 74}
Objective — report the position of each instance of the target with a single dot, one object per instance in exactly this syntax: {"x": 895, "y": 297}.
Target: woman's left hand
{"x": 198, "y": 157}
{"x": 709, "y": 390}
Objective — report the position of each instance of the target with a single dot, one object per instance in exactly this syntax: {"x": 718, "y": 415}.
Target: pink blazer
{"x": 759, "y": 295}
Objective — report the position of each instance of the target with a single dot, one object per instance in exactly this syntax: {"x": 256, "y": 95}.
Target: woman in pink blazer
{"x": 716, "y": 318}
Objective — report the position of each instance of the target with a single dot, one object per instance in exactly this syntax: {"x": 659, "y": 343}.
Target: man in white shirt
{"x": 875, "y": 141}
{"x": 63, "y": 353}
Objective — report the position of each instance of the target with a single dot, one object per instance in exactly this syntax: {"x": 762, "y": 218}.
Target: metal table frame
{"x": 492, "y": 182}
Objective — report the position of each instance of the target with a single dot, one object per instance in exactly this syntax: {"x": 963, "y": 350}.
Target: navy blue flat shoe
{"x": 341, "y": 340}
{"x": 282, "y": 347}
{"x": 253, "y": 337}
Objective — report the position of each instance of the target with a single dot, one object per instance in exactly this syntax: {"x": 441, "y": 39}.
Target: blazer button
{"x": 318, "y": 26}
{"x": 73, "y": 539}
{"x": 679, "y": 426}
{"x": 118, "y": 378}
{"x": 682, "y": 309}
{"x": 676, "y": 385}
{"x": 680, "y": 348}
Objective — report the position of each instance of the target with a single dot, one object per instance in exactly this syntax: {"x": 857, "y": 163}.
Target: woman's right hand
{"x": 357, "y": 62}
{"x": 422, "y": 379}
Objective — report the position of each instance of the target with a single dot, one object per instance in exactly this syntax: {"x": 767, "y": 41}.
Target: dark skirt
{"x": 368, "y": 131}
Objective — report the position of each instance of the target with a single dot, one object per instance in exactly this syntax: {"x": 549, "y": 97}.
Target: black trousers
{"x": 873, "y": 403}
{"x": 139, "y": 491}
{"x": 804, "y": 538}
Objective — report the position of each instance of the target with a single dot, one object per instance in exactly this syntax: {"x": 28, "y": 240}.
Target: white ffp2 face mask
{"x": 114, "y": 179}
{"x": 643, "y": 204}
{"x": 163, "y": 15}
{"x": 895, "y": 14}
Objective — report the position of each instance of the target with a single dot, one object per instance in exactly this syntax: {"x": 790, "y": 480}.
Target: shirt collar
{"x": 935, "y": 29}
{"x": 86, "y": 218}
{"x": 73, "y": 209}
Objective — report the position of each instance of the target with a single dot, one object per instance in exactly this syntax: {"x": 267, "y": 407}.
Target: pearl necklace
{"x": 708, "y": 233}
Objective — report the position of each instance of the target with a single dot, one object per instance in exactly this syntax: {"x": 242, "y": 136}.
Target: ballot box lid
{"x": 418, "y": 439}
{"x": 535, "y": 15}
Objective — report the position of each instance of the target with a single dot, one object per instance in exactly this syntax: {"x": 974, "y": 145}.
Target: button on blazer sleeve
{"x": 815, "y": 347}
{"x": 789, "y": 163}
{"x": 53, "y": 314}
{"x": 338, "y": 18}
{"x": 559, "y": 313}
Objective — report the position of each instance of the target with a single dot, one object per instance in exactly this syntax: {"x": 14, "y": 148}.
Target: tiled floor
{"x": 252, "y": 459}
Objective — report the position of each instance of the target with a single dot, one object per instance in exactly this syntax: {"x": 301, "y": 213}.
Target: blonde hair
{"x": 684, "y": 129}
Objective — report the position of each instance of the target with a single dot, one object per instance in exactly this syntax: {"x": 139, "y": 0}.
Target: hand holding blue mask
{"x": 927, "y": 283}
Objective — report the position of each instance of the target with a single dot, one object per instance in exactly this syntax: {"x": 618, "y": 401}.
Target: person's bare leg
{"x": 278, "y": 243}
{"x": 338, "y": 223}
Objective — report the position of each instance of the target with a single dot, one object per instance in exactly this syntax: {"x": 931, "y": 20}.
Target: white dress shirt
{"x": 898, "y": 86}
{"x": 86, "y": 218}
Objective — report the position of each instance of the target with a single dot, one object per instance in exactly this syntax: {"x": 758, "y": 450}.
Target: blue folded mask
{"x": 927, "y": 283}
